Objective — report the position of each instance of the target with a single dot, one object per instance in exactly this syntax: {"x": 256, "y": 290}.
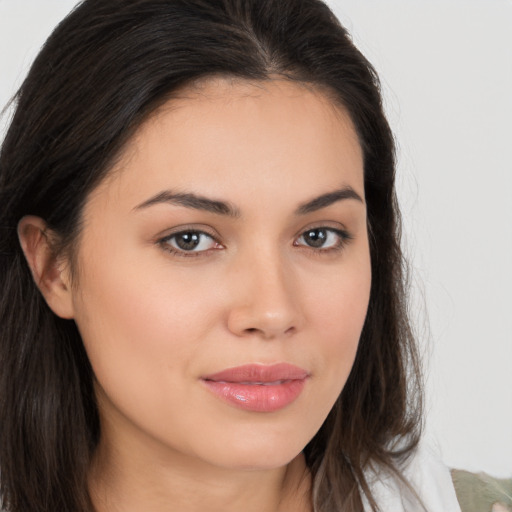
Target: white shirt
{"x": 428, "y": 476}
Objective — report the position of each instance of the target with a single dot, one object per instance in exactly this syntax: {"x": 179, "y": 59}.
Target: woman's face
{"x": 224, "y": 275}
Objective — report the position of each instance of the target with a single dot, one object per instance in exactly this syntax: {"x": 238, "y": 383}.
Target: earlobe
{"x": 50, "y": 274}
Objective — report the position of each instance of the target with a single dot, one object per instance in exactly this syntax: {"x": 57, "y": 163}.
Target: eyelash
{"x": 344, "y": 237}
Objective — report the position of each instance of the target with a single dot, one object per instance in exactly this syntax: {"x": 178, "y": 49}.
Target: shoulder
{"x": 431, "y": 479}
{"x": 479, "y": 491}
{"x": 428, "y": 478}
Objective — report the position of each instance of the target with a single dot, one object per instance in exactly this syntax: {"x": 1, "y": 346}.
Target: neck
{"x": 130, "y": 481}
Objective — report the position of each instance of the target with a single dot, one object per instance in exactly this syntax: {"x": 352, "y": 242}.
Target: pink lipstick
{"x": 257, "y": 387}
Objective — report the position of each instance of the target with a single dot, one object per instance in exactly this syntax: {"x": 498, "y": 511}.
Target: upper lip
{"x": 259, "y": 373}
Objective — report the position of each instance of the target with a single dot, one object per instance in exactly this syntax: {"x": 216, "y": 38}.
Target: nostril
{"x": 266, "y": 334}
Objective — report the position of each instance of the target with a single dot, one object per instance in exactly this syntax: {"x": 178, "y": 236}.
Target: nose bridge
{"x": 266, "y": 303}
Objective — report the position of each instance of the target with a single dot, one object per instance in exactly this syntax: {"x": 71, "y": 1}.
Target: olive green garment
{"x": 479, "y": 492}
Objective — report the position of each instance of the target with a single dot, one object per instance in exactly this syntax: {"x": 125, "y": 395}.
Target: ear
{"x": 50, "y": 273}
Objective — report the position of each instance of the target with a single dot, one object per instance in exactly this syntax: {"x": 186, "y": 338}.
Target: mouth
{"x": 258, "y": 388}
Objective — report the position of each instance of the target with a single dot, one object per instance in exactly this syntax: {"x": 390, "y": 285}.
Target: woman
{"x": 203, "y": 303}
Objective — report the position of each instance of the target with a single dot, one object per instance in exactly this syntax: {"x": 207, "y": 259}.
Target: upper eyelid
{"x": 328, "y": 225}
{"x": 339, "y": 229}
{"x": 196, "y": 231}
{"x": 213, "y": 234}
{"x": 169, "y": 233}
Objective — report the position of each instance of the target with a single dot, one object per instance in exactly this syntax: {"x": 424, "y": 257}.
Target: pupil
{"x": 188, "y": 241}
{"x": 316, "y": 237}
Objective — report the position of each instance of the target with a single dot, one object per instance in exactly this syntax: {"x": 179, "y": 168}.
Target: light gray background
{"x": 446, "y": 68}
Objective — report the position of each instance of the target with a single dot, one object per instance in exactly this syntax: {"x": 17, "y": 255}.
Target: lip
{"x": 257, "y": 387}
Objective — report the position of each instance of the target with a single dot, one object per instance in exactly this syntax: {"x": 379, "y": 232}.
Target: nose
{"x": 266, "y": 300}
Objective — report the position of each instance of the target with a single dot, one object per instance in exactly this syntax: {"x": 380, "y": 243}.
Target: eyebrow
{"x": 197, "y": 202}
{"x": 328, "y": 199}
{"x": 194, "y": 201}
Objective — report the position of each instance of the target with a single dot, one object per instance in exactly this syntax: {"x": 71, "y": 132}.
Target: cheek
{"x": 141, "y": 329}
{"x": 144, "y": 334}
{"x": 338, "y": 312}
{"x": 339, "y": 301}
{"x": 141, "y": 314}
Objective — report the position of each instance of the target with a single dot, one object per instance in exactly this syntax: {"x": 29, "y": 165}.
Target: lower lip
{"x": 258, "y": 397}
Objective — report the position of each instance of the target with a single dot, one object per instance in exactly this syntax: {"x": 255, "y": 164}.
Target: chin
{"x": 258, "y": 449}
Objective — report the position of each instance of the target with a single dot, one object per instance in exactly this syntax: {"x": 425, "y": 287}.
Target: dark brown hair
{"x": 102, "y": 72}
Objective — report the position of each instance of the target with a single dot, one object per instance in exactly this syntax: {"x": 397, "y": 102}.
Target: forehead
{"x": 231, "y": 132}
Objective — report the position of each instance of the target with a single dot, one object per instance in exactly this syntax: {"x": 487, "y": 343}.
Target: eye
{"x": 189, "y": 241}
{"x": 323, "y": 238}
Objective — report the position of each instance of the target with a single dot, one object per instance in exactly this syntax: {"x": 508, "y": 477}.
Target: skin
{"x": 155, "y": 321}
